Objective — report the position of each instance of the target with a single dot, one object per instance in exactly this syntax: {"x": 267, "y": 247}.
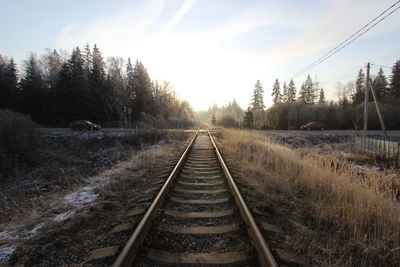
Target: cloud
{"x": 113, "y": 32}
{"x": 248, "y": 20}
{"x": 187, "y": 6}
{"x": 338, "y": 21}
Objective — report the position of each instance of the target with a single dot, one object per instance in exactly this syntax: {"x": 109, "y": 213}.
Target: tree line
{"x": 229, "y": 115}
{"x": 57, "y": 88}
{"x": 294, "y": 107}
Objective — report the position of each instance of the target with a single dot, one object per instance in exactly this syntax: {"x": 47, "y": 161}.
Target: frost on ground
{"x": 12, "y": 236}
{"x": 5, "y": 252}
{"x": 63, "y": 216}
{"x": 86, "y": 194}
{"x": 78, "y": 200}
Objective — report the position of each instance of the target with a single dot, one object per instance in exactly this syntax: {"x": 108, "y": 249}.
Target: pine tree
{"x": 257, "y": 105}
{"x": 33, "y": 97}
{"x": 395, "y": 80}
{"x": 321, "y": 98}
{"x": 144, "y": 101}
{"x": 249, "y": 118}
{"x": 213, "y": 120}
{"x": 291, "y": 95}
{"x": 100, "y": 97}
{"x": 72, "y": 91}
{"x": 285, "y": 96}
{"x": 302, "y": 93}
{"x": 358, "y": 96}
{"x": 88, "y": 58}
{"x": 276, "y": 92}
{"x": 380, "y": 84}
{"x": 52, "y": 64}
{"x": 130, "y": 84}
{"x": 308, "y": 91}
{"x": 8, "y": 84}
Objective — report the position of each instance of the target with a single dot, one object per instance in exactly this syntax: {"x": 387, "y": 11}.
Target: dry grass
{"x": 351, "y": 219}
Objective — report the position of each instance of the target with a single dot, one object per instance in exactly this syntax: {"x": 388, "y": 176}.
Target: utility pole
{"x": 379, "y": 112}
{"x": 366, "y": 103}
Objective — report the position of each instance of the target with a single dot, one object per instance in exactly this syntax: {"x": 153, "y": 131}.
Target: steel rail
{"x": 128, "y": 253}
{"x": 264, "y": 254}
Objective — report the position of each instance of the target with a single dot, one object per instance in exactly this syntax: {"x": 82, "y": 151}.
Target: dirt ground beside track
{"x": 68, "y": 223}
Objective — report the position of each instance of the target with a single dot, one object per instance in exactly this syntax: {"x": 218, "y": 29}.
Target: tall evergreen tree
{"x": 276, "y": 92}
{"x": 249, "y": 118}
{"x": 291, "y": 95}
{"x": 395, "y": 80}
{"x": 358, "y": 96}
{"x": 130, "y": 94}
{"x": 144, "y": 101}
{"x": 52, "y": 62}
{"x": 33, "y": 90}
{"x": 380, "y": 85}
{"x": 285, "y": 92}
{"x": 302, "y": 93}
{"x": 100, "y": 94}
{"x": 257, "y": 105}
{"x": 321, "y": 98}
{"x": 72, "y": 91}
{"x": 88, "y": 59}
{"x": 309, "y": 91}
{"x": 8, "y": 84}
{"x": 213, "y": 120}
{"x": 258, "y": 97}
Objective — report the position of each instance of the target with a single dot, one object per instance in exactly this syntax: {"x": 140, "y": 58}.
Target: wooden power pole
{"x": 366, "y": 103}
{"x": 367, "y": 86}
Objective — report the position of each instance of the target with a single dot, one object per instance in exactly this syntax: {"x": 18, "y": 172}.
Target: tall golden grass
{"x": 361, "y": 221}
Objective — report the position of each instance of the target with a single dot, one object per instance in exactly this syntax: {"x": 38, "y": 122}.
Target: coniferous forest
{"x": 59, "y": 87}
{"x": 294, "y": 106}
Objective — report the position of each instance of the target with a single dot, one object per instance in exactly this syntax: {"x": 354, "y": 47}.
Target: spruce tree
{"x": 249, "y": 118}
{"x": 380, "y": 85}
{"x": 302, "y": 93}
{"x": 33, "y": 97}
{"x": 321, "y": 98}
{"x": 8, "y": 84}
{"x": 257, "y": 105}
{"x": 72, "y": 91}
{"x": 53, "y": 63}
{"x": 309, "y": 91}
{"x": 213, "y": 120}
{"x": 88, "y": 58}
{"x": 285, "y": 97}
{"x": 144, "y": 101}
{"x": 100, "y": 97}
{"x": 395, "y": 80}
{"x": 358, "y": 96}
{"x": 276, "y": 92}
{"x": 291, "y": 95}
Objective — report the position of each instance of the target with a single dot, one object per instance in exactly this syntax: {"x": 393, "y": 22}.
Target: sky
{"x": 212, "y": 51}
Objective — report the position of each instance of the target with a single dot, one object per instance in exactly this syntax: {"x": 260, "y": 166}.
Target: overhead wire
{"x": 349, "y": 40}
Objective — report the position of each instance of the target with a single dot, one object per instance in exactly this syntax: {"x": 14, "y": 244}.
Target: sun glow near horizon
{"x": 214, "y": 52}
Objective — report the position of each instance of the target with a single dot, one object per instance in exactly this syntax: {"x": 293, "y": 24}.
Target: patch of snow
{"x": 82, "y": 197}
{"x": 367, "y": 168}
{"x": 86, "y": 194}
{"x": 5, "y": 252}
{"x": 22, "y": 233}
{"x": 63, "y": 216}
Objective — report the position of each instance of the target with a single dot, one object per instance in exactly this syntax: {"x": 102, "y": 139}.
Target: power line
{"x": 382, "y": 66}
{"x": 349, "y": 40}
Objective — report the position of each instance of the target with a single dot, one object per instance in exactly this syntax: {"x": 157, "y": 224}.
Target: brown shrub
{"x": 19, "y": 141}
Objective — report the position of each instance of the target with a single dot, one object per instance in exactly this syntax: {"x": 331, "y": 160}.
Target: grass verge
{"x": 348, "y": 219}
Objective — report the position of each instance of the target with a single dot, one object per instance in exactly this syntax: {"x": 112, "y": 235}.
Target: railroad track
{"x": 198, "y": 217}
